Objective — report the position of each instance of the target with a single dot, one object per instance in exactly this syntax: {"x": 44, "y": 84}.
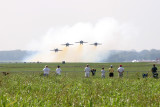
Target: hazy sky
{"x": 24, "y": 21}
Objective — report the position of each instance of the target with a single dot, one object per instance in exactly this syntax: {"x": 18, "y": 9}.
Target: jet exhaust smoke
{"x": 107, "y": 31}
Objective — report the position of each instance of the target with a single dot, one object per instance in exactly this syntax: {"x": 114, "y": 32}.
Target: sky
{"x": 45, "y": 24}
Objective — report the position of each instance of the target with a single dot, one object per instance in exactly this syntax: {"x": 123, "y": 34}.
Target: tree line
{"x": 110, "y": 56}
{"x": 128, "y": 56}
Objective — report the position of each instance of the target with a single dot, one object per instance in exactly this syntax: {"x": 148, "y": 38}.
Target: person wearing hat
{"x": 111, "y": 70}
{"x": 154, "y": 71}
{"x": 58, "y": 70}
{"x": 87, "y": 70}
{"x": 46, "y": 70}
{"x": 120, "y": 71}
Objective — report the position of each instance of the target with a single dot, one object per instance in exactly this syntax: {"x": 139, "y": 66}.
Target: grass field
{"x": 25, "y": 86}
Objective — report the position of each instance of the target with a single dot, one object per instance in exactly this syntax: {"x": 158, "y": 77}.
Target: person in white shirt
{"x": 103, "y": 73}
{"x": 87, "y": 70}
{"x": 58, "y": 70}
{"x": 46, "y": 70}
{"x": 120, "y": 71}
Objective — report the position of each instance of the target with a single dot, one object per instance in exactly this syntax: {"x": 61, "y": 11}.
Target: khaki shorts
{"x": 120, "y": 74}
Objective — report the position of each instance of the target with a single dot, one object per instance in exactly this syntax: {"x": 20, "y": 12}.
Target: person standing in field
{"x": 87, "y": 70}
{"x": 154, "y": 71}
{"x": 111, "y": 70}
{"x": 58, "y": 70}
{"x": 120, "y": 71}
{"x": 93, "y": 71}
{"x": 46, "y": 70}
{"x": 103, "y": 73}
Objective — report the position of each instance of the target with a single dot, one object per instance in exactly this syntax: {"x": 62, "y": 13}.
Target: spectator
{"x": 120, "y": 71}
{"x": 87, "y": 70}
{"x": 46, "y": 70}
{"x": 58, "y": 70}
{"x": 103, "y": 73}
{"x": 154, "y": 71}
{"x": 93, "y": 71}
{"x": 111, "y": 70}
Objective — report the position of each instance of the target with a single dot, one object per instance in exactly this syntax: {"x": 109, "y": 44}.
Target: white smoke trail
{"x": 107, "y": 31}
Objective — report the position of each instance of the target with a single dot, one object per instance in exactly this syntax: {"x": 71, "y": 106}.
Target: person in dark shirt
{"x": 93, "y": 71}
{"x": 154, "y": 71}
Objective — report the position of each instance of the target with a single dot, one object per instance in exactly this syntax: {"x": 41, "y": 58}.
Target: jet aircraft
{"x": 56, "y": 50}
{"x": 95, "y": 44}
{"x": 67, "y": 44}
{"x": 81, "y": 42}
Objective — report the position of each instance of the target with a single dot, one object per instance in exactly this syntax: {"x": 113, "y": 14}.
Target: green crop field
{"x": 26, "y": 86}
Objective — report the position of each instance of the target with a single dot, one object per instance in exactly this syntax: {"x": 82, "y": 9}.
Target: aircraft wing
{"x": 99, "y": 44}
{"x": 52, "y": 50}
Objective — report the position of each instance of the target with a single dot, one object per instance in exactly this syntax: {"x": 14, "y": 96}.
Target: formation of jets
{"x": 81, "y": 43}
